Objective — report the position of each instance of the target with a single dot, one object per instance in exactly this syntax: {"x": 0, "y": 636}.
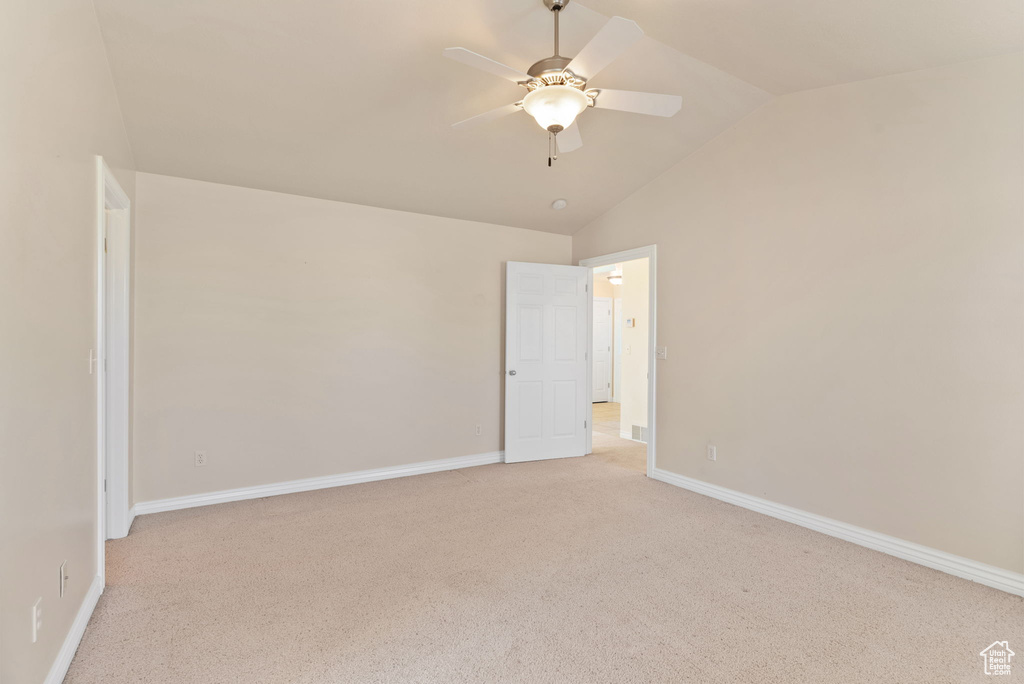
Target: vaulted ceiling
{"x": 352, "y": 101}
{"x": 785, "y": 46}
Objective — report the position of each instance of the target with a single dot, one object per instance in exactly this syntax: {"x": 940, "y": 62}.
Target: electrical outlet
{"x": 63, "y": 578}
{"x": 37, "y": 618}
{"x": 479, "y": 431}
{"x": 712, "y": 452}
{"x": 201, "y": 459}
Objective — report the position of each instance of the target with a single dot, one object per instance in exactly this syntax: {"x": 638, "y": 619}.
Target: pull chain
{"x": 552, "y": 147}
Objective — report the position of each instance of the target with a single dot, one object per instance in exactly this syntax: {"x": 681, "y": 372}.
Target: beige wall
{"x": 291, "y": 337}
{"x": 57, "y": 110}
{"x": 635, "y": 304}
{"x": 841, "y": 290}
{"x": 602, "y": 288}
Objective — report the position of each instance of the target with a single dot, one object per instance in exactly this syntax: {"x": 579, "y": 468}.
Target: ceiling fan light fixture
{"x": 555, "y": 107}
{"x": 615, "y": 279}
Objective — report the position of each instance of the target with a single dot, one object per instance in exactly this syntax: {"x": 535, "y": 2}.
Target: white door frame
{"x": 113, "y": 258}
{"x": 649, "y": 252}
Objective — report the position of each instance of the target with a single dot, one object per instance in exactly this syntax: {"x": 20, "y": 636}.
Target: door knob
{"x": 511, "y": 372}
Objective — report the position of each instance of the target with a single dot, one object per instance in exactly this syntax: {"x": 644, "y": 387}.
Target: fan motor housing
{"x": 548, "y": 65}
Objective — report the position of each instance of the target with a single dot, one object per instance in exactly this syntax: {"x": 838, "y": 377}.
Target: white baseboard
{"x": 309, "y": 484}
{"x": 989, "y": 575}
{"x": 74, "y": 637}
{"x": 131, "y": 517}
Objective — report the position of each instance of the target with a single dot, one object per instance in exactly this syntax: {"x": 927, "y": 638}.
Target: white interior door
{"x": 602, "y": 352}
{"x": 546, "y": 366}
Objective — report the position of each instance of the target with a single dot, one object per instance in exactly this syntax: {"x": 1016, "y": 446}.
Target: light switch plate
{"x": 661, "y": 353}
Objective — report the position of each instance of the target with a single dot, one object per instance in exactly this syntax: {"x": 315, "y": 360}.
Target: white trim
{"x": 650, "y": 253}
{"x": 989, "y": 575}
{"x": 312, "y": 483}
{"x": 67, "y": 651}
{"x": 131, "y": 519}
{"x": 109, "y": 196}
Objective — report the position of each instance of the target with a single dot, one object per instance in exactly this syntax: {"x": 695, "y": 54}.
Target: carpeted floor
{"x": 578, "y": 570}
{"x": 620, "y": 452}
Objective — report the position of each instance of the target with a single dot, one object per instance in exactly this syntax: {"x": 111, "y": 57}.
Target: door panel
{"x": 545, "y": 361}
{"x": 530, "y": 401}
{"x": 565, "y": 406}
{"x": 531, "y": 333}
{"x": 566, "y": 337}
{"x": 602, "y": 349}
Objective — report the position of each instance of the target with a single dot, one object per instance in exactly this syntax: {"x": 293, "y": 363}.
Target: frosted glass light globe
{"x": 555, "y": 107}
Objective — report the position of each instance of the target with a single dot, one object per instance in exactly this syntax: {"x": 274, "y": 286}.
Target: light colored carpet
{"x": 561, "y": 571}
{"x": 620, "y": 452}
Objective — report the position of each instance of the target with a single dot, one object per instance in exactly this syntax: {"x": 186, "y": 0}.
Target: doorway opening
{"x": 111, "y": 362}
{"x": 622, "y": 358}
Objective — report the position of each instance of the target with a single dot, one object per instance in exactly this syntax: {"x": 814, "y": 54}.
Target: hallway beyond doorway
{"x": 606, "y": 418}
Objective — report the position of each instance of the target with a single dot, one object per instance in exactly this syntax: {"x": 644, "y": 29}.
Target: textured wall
{"x": 57, "y": 110}
{"x": 841, "y": 288}
{"x": 291, "y": 337}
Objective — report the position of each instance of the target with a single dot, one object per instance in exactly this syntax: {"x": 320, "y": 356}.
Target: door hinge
{"x": 104, "y": 245}
{"x": 586, "y": 287}
{"x": 104, "y": 484}
{"x": 584, "y": 427}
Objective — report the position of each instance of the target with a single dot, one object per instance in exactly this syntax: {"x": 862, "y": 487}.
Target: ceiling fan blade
{"x": 487, "y": 116}
{"x": 612, "y": 40}
{"x": 570, "y": 139}
{"x": 638, "y": 103}
{"x": 485, "y": 64}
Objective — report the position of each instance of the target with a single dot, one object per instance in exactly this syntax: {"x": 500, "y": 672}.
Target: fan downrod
{"x": 555, "y": 63}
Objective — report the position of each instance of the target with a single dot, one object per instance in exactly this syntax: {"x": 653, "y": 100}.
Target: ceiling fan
{"x": 557, "y": 85}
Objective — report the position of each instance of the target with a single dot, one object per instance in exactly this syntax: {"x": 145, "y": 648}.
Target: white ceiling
{"x": 784, "y": 46}
{"x": 352, "y": 101}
